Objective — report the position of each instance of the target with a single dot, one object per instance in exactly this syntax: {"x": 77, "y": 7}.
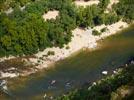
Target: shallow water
{"x": 75, "y": 71}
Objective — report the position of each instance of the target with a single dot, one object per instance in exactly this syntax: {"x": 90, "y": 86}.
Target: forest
{"x": 6, "y": 4}
{"x": 24, "y": 32}
{"x": 125, "y": 9}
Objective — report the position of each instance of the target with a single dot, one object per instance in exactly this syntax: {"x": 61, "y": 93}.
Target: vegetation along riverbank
{"x": 25, "y": 32}
{"x": 36, "y": 34}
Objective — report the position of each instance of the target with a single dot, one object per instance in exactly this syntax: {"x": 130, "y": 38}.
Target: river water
{"x": 73, "y": 72}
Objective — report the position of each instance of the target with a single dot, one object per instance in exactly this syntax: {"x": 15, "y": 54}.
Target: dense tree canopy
{"x": 26, "y": 32}
{"x": 6, "y": 4}
{"x": 125, "y": 9}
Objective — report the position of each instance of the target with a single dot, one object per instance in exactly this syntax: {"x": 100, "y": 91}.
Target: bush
{"x": 51, "y": 53}
{"x": 95, "y": 32}
{"x": 125, "y": 9}
{"x": 67, "y": 47}
{"x": 104, "y": 29}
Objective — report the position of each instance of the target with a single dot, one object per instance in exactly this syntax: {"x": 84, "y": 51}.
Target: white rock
{"x": 94, "y": 83}
{"x": 114, "y": 72}
{"x": 132, "y": 62}
{"x": 104, "y": 72}
{"x": 53, "y": 81}
{"x": 45, "y": 95}
{"x": 10, "y": 75}
{"x": 12, "y": 68}
{"x": 3, "y": 82}
{"x": 5, "y": 87}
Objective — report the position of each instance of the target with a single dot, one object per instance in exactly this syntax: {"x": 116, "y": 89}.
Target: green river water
{"x": 73, "y": 72}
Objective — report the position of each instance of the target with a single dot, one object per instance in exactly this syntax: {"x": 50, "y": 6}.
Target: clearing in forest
{"x": 86, "y": 3}
{"x": 50, "y": 15}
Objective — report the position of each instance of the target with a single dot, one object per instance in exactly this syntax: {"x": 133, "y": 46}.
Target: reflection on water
{"x": 73, "y": 72}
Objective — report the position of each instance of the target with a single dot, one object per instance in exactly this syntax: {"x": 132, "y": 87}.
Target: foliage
{"x": 103, "y": 4}
{"x": 6, "y": 4}
{"x": 50, "y": 53}
{"x": 125, "y": 9}
{"x": 87, "y": 16}
{"x": 95, "y": 32}
{"x": 26, "y": 32}
{"x": 104, "y": 29}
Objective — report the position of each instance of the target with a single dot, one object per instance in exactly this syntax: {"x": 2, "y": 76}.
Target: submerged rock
{"x": 3, "y": 82}
{"x": 105, "y": 72}
{"x": 94, "y": 83}
{"x": 45, "y": 96}
{"x": 115, "y": 72}
{"x": 8, "y": 75}
{"x": 132, "y": 62}
{"x": 53, "y": 82}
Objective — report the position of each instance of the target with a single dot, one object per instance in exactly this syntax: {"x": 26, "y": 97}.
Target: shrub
{"x": 50, "y": 53}
{"x": 95, "y": 32}
{"x": 67, "y": 47}
{"x": 104, "y": 29}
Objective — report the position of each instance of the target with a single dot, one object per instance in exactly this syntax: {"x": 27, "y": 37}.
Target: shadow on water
{"x": 85, "y": 67}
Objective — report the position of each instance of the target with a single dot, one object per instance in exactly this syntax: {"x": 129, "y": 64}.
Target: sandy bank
{"x": 88, "y": 3}
{"x": 50, "y": 15}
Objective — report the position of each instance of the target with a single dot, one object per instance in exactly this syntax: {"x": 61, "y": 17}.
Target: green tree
{"x": 6, "y": 42}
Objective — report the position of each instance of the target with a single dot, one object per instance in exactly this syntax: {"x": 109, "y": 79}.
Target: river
{"x": 73, "y": 72}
